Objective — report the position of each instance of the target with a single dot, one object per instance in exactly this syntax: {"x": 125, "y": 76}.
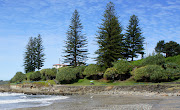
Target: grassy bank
{"x": 86, "y": 82}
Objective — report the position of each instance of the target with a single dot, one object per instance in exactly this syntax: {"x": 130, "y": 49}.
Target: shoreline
{"x": 112, "y": 102}
{"x": 143, "y": 97}
{"x": 141, "y": 90}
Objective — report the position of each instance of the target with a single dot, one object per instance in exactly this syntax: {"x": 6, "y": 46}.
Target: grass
{"x": 174, "y": 59}
{"x": 137, "y": 63}
{"x": 86, "y": 82}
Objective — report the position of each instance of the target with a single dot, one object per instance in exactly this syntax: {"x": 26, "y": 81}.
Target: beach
{"x": 113, "y": 102}
{"x": 140, "y": 97}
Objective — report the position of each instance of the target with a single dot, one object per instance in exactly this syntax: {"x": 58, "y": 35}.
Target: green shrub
{"x": 172, "y": 70}
{"x": 48, "y": 74}
{"x": 35, "y": 76}
{"x": 150, "y": 73}
{"x": 52, "y": 82}
{"x": 79, "y": 71}
{"x": 123, "y": 69}
{"x": 28, "y": 75}
{"x": 154, "y": 60}
{"x": 174, "y": 59}
{"x": 110, "y": 73}
{"x": 93, "y": 71}
{"x": 18, "y": 77}
{"x": 66, "y": 75}
{"x": 171, "y": 66}
{"x": 137, "y": 63}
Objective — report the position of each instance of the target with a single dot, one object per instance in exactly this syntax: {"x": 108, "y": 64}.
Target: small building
{"x": 59, "y": 66}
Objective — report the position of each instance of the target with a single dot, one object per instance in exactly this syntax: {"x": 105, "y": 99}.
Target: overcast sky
{"x": 21, "y": 19}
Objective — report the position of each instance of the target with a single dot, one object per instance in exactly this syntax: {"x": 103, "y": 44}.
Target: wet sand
{"x": 113, "y": 102}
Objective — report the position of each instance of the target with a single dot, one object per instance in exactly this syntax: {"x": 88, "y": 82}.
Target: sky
{"x": 22, "y": 19}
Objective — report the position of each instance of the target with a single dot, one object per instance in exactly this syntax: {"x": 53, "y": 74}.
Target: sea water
{"x": 19, "y": 100}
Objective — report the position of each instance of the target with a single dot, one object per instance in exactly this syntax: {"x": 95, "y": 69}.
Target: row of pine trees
{"x": 112, "y": 43}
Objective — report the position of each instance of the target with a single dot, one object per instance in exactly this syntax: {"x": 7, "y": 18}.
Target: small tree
{"x": 18, "y": 77}
{"x": 111, "y": 73}
{"x": 65, "y": 75}
{"x": 160, "y": 47}
{"x": 93, "y": 71}
{"x": 48, "y": 74}
{"x": 76, "y": 52}
{"x": 134, "y": 39}
{"x": 35, "y": 76}
{"x": 170, "y": 48}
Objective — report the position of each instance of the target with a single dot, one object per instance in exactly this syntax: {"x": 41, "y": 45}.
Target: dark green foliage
{"x": 150, "y": 73}
{"x": 66, "y": 75}
{"x": 111, "y": 74}
{"x": 174, "y": 59}
{"x": 35, "y": 76}
{"x": 133, "y": 39}
{"x": 109, "y": 38}
{"x": 154, "y": 60}
{"x": 171, "y": 66}
{"x": 155, "y": 73}
{"x": 18, "y": 77}
{"x": 28, "y": 75}
{"x": 39, "y": 52}
{"x": 160, "y": 47}
{"x": 93, "y": 71}
{"x": 123, "y": 69}
{"x": 79, "y": 71}
{"x": 76, "y": 53}
{"x": 170, "y": 49}
{"x": 137, "y": 63}
{"x": 48, "y": 74}
{"x": 34, "y": 56}
{"x": 29, "y": 57}
{"x": 172, "y": 71}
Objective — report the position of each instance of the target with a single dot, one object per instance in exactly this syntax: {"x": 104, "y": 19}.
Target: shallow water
{"x": 20, "y": 100}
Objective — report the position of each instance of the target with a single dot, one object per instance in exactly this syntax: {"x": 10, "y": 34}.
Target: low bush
{"x": 172, "y": 70}
{"x": 123, "y": 69}
{"x": 28, "y": 75}
{"x": 93, "y": 71}
{"x": 18, "y": 77}
{"x": 79, "y": 71}
{"x": 171, "y": 66}
{"x": 66, "y": 75}
{"x": 35, "y": 76}
{"x": 137, "y": 63}
{"x": 48, "y": 74}
{"x": 110, "y": 74}
{"x": 174, "y": 59}
{"x": 150, "y": 73}
{"x": 52, "y": 82}
{"x": 154, "y": 60}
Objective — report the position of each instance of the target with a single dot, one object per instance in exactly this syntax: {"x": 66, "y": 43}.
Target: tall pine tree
{"x": 34, "y": 56}
{"x": 109, "y": 38}
{"x": 39, "y": 52}
{"x": 76, "y": 43}
{"x": 29, "y": 57}
{"x": 133, "y": 39}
